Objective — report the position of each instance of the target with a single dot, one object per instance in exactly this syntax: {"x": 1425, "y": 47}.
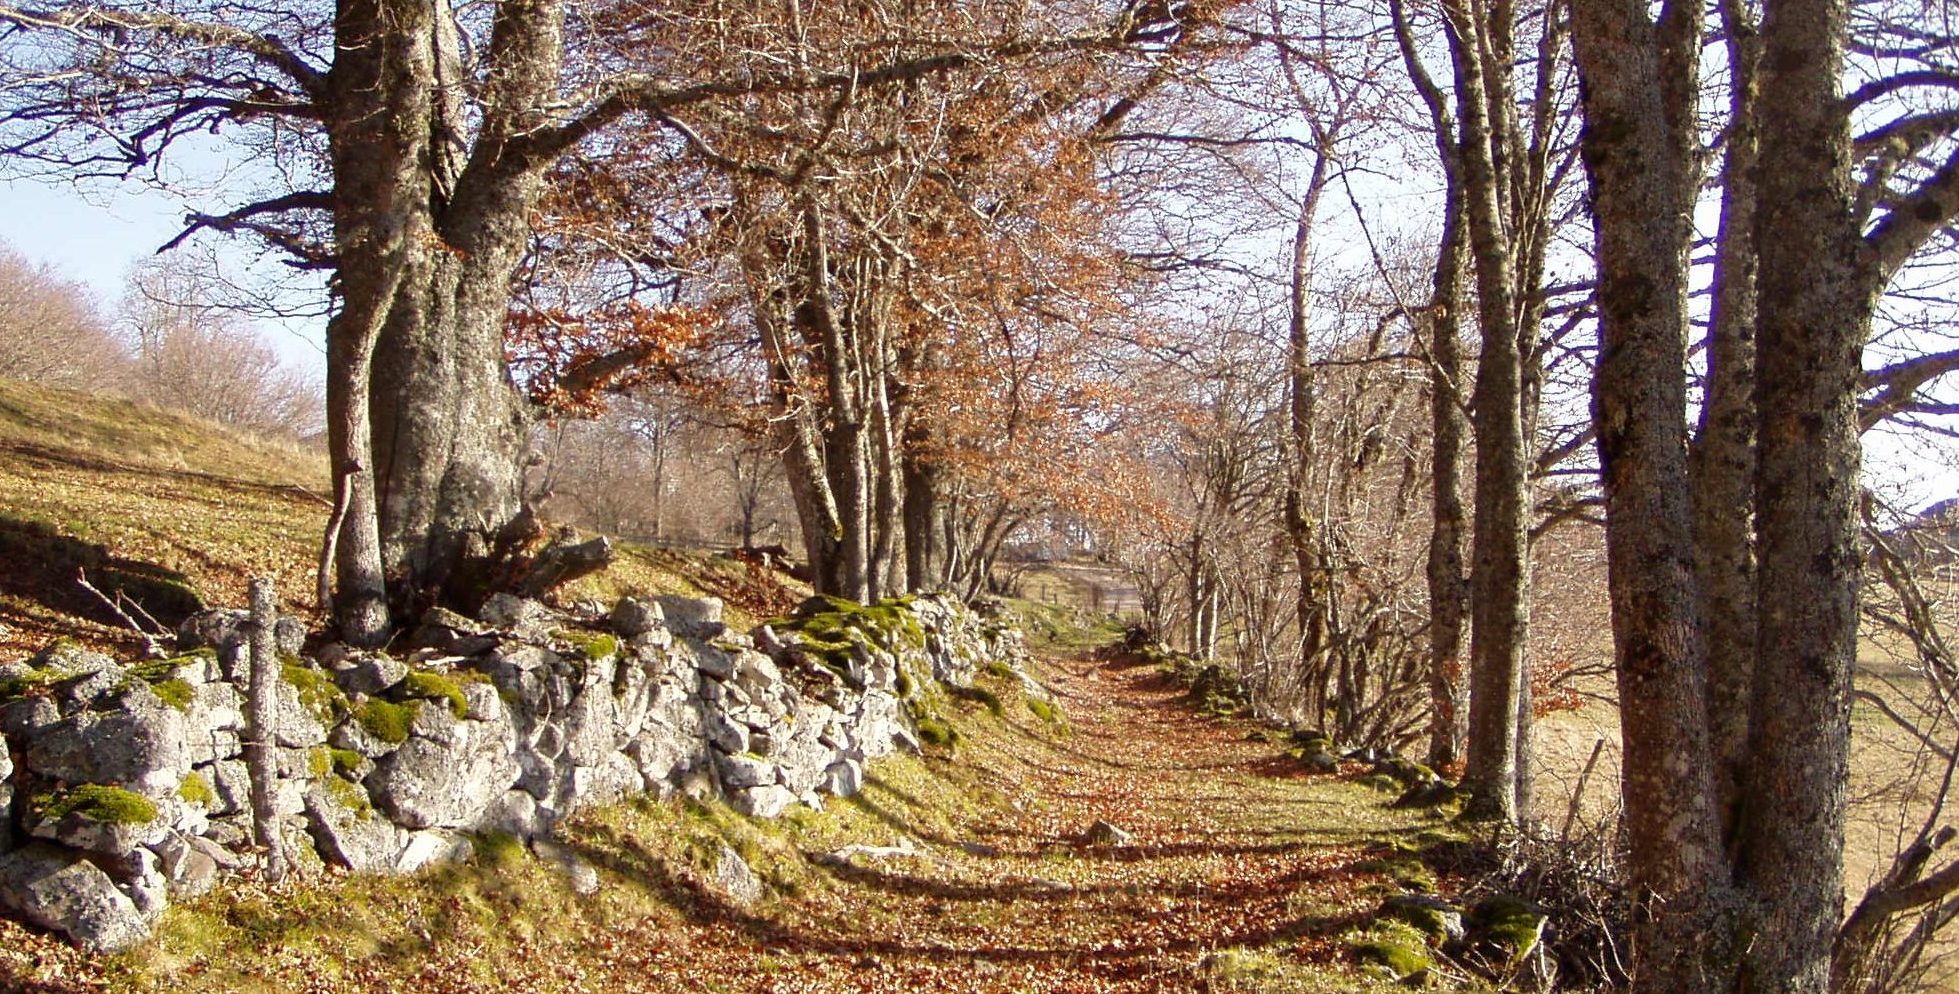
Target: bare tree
{"x": 49, "y": 330}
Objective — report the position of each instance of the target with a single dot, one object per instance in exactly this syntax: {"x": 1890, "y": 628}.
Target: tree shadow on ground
{"x": 43, "y": 567}
{"x": 627, "y": 859}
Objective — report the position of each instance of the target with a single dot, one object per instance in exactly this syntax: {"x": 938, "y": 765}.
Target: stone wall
{"x": 124, "y": 785}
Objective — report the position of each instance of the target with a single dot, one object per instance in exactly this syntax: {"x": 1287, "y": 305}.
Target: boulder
{"x": 1103, "y": 833}
{"x": 190, "y": 870}
{"x": 714, "y": 661}
{"x": 141, "y": 745}
{"x": 517, "y": 813}
{"x": 369, "y": 673}
{"x": 347, "y": 830}
{"x": 65, "y": 893}
{"x": 447, "y": 773}
{"x": 844, "y": 778}
{"x": 744, "y": 770}
{"x": 526, "y": 617}
{"x": 428, "y": 848}
{"x": 725, "y": 734}
{"x": 1438, "y": 920}
{"x": 692, "y": 617}
{"x": 22, "y": 718}
{"x": 632, "y": 617}
{"x": 757, "y": 674}
{"x": 766, "y": 801}
{"x": 110, "y": 821}
{"x": 735, "y": 879}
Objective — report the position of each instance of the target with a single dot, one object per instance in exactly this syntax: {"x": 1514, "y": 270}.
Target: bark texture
{"x": 1635, "y": 142}
{"x": 1814, "y": 306}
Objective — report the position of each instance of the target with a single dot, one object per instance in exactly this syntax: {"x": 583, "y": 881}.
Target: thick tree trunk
{"x": 449, "y": 425}
{"x": 1723, "y": 459}
{"x": 1815, "y": 302}
{"x": 1637, "y": 149}
{"x": 379, "y": 138}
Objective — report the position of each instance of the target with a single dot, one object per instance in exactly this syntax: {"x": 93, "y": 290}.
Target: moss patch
{"x": 827, "y": 627}
{"x": 935, "y": 732}
{"x": 317, "y": 692}
{"x": 593, "y": 646}
{"x": 981, "y": 696}
{"x": 386, "y": 720}
{"x": 196, "y": 789}
{"x": 432, "y": 686}
{"x": 1508, "y": 926}
{"x": 98, "y": 801}
{"x": 1044, "y": 709}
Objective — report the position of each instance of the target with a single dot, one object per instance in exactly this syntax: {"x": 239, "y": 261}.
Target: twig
{"x": 151, "y": 648}
{"x": 1578, "y": 793}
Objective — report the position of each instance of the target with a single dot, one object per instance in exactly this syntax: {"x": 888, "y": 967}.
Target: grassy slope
{"x": 168, "y": 509}
{"x": 1244, "y": 877}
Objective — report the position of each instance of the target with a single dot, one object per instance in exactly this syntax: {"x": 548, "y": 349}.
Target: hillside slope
{"x": 175, "y": 512}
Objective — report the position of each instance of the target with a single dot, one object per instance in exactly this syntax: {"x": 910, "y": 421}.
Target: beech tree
{"x": 406, "y": 147}
{"x": 1718, "y": 860}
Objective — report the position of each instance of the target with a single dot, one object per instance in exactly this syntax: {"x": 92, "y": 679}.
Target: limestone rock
{"x": 1103, "y": 833}
{"x": 369, "y": 673}
{"x": 766, "y": 801}
{"x": 517, "y": 813}
{"x": 731, "y": 737}
{"x": 526, "y": 617}
{"x": 189, "y": 869}
{"x": 844, "y": 778}
{"x": 141, "y": 745}
{"x": 742, "y": 770}
{"x": 735, "y": 879}
{"x": 428, "y": 848}
{"x": 65, "y": 893}
{"x": 81, "y": 829}
{"x": 692, "y": 617}
{"x": 347, "y": 830}
{"x": 447, "y": 773}
{"x": 633, "y": 617}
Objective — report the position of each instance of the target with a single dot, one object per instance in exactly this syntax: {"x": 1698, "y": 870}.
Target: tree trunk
{"x": 1448, "y": 591}
{"x": 378, "y": 141}
{"x": 1815, "y": 301}
{"x": 449, "y": 425}
{"x": 1723, "y": 458}
{"x": 442, "y": 236}
{"x": 1638, "y": 147}
{"x": 921, "y": 513}
{"x": 1302, "y": 403}
{"x": 1505, "y": 238}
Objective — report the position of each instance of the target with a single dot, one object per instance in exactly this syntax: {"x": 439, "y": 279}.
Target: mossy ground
{"x": 1243, "y": 875}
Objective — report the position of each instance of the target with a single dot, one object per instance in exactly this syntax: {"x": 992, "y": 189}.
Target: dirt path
{"x": 1230, "y": 848}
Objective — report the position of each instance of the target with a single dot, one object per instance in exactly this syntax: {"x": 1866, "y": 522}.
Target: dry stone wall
{"x": 123, "y": 785}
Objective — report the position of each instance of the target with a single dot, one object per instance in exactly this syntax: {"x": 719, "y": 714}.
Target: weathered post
{"x": 261, "y": 731}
